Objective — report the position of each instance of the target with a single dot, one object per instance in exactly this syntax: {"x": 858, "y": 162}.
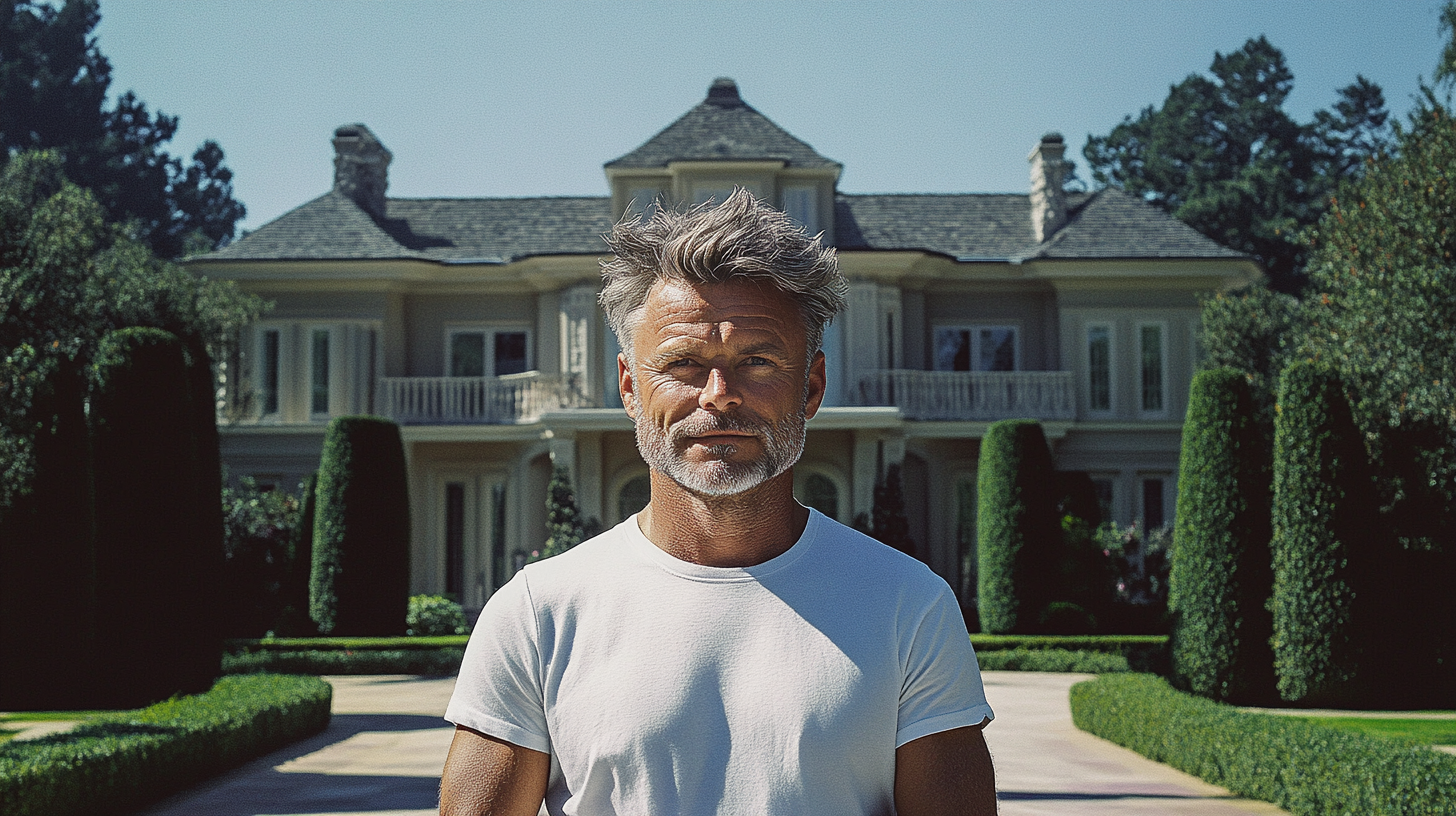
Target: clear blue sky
{"x": 478, "y": 98}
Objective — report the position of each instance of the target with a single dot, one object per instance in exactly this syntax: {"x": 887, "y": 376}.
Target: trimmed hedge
{"x": 1308, "y": 769}
{"x": 360, "y": 579}
{"x": 431, "y": 662}
{"x": 47, "y": 559}
{"x": 156, "y": 572}
{"x": 352, "y": 644}
{"x": 1329, "y": 566}
{"x": 1017, "y": 530}
{"x": 1052, "y": 660}
{"x": 1143, "y": 653}
{"x": 117, "y": 763}
{"x": 1220, "y": 577}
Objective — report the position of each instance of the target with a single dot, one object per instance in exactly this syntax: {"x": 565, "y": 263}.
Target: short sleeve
{"x": 942, "y": 689}
{"x": 499, "y": 690}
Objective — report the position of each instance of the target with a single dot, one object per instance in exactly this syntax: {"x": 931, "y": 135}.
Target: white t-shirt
{"x": 664, "y": 687}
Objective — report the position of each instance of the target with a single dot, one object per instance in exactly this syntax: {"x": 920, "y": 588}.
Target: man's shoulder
{"x": 853, "y": 549}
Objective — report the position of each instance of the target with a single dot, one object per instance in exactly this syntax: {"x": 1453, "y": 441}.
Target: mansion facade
{"x": 473, "y": 323}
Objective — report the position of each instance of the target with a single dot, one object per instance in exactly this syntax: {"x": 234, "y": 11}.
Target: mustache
{"x": 704, "y": 424}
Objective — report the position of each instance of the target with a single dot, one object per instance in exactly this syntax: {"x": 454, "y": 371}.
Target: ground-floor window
{"x": 1153, "y": 515}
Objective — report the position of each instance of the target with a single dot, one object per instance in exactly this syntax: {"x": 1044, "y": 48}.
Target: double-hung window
{"x": 269, "y": 359}
{"x": 977, "y": 348}
{"x": 1152, "y": 367}
{"x": 800, "y": 204}
{"x": 319, "y": 342}
{"x": 487, "y": 352}
{"x": 1099, "y": 367}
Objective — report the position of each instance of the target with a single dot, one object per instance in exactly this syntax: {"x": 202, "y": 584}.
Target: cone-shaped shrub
{"x": 360, "y": 579}
{"x": 1017, "y": 530}
{"x": 1328, "y": 572}
{"x": 1220, "y": 579}
{"x": 47, "y": 566}
{"x": 153, "y": 563}
{"x": 563, "y": 518}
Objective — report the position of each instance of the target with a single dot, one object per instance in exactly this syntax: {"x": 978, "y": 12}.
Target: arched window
{"x": 634, "y": 496}
{"x": 820, "y": 493}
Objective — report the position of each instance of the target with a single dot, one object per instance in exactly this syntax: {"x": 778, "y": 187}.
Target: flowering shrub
{"x": 435, "y": 615}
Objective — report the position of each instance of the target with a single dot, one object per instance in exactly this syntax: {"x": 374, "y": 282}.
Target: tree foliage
{"x": 1222, "y": 155}
{"x": 53, "y": 87}
{"x": 1256, "y": 331}
{"x": 564, "y": 526}
{"x": 67, "y": 278}
{"x": 888, "y": 523}
{"x": 1220, "y": 575}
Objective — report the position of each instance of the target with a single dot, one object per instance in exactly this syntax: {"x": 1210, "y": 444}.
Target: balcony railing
{"x": 477, "y": 400}
{"x": 970, "y": 395}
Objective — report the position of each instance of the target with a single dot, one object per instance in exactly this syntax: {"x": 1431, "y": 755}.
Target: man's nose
{"x": 718, "y": 394}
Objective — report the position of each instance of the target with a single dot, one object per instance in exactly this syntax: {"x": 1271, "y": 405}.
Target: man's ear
{"x": 626, "y": 387}
{"x": 818, "y": 384}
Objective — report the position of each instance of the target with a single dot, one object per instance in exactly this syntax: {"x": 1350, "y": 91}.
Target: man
{"x": 726, "y": 650}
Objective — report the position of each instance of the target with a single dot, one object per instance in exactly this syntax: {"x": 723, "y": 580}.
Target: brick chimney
{"x": 1048, "y": 201}
{"x": 361, "y": 167}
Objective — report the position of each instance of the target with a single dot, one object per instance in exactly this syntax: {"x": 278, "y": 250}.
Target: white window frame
{"x": 490, "y": 330}
{"x": 1111, "y": 330}
{"x": 974, "y": 329}
{"x": 1162, "y": 410}
{"x": 331, "y": 383}
{"x": 280, "y": 367}
{"x": 803, "y": 471}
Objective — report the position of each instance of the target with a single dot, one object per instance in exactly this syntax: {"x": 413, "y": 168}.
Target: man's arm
{"x": 485, "y": 776}
{"x": 945, "y": 773}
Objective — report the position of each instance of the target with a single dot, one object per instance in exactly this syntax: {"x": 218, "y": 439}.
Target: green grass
{"x": 1424, "y": 732}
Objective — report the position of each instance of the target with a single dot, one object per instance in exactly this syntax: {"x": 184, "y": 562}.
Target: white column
{"x": 577, "y": 313}
{"x": 866, "y": 471}
{"x": 861, "y": 334}
{"x": 589, "y": 475}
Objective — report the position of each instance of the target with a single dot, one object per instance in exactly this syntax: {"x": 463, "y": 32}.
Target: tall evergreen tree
{"x": 53, "y": 87}
{"x": 1222, "y": 155}
{"x": 1017, "y": 530}
{"x": 1220, "y": 578}
{"x": 888, "y": 523}
{"x": 1330, "y": 570}
{"x": 564, "y": 528}
{"x": 156, "y": 574}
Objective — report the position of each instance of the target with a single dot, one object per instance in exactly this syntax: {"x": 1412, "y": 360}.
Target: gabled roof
{"x": 1113, "y": 224}
{"x": 722, "y": 128}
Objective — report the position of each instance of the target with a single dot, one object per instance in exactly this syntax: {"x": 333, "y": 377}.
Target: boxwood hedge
{"x": 118, "y": 762}
{"x": 1308, "y": 769}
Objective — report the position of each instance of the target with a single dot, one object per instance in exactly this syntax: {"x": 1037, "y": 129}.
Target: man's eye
{"x": 758, "y": 361}
{"x": 683, "y": 363}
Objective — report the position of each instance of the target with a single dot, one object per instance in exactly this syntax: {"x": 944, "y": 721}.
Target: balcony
{"x": 477, "y": 400}
{"x": 969, "y": 395}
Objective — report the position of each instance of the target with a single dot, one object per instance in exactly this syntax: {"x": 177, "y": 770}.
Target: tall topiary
{"x": 1328, "y": 562}
{"x": 564, "y": 528}
{"x": 360, "y": 579}
{"x": 155, "y": 635}
{"x": 1017, "y": 530}
{"x": 204, "y": 627}
{"x": 47, "y": 560}
{"x": 1220, "y": 578}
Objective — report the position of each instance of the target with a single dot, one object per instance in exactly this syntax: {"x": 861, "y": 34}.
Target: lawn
{"x": 1425, "y": 732}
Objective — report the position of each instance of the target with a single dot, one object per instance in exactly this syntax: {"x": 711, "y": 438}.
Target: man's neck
{"x": 724, "y": 531}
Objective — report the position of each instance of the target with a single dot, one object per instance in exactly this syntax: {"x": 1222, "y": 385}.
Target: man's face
{"x": 722, "y": 385}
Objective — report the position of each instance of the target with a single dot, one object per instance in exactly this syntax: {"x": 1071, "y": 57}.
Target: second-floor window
{"x": 477, "y": 352}
{"x": 800, "y": 205}
{"x": 1152, "y": 360}
{"x": 976, "y": 348}
{"x": 1099, "y": 368}
{"x": 269, "y": 359}
{"x": 318, "y": 367}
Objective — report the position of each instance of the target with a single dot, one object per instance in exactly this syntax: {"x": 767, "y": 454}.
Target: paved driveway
{"x": 383, "y": 752}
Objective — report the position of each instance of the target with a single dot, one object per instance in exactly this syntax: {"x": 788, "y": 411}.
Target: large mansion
{"x": 473, "y": 323}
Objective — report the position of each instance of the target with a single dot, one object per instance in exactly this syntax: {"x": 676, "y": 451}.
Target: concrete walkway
{"x": 383, "y": 752}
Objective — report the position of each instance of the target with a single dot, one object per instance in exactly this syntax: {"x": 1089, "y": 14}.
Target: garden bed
{"x": 117, "y": 762}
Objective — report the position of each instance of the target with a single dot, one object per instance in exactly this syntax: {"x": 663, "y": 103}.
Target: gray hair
{"x": 740, "y": 239}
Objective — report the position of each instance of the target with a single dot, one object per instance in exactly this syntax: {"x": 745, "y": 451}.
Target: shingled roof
{"x": 997, "y": 227}
{"x": 723, "y": 128}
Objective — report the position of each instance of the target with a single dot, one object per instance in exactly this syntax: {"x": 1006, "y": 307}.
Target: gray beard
{"x": 783, "y": 444}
